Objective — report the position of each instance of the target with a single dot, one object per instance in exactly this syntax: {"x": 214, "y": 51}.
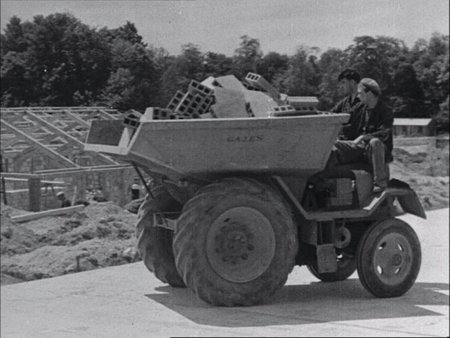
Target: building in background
{"x": 413, "y": 127}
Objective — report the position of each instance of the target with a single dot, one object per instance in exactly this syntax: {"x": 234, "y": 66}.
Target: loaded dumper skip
{"x": 235, "y": 204}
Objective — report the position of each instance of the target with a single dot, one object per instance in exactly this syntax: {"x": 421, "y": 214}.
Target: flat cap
{"x": 371, "y": 85}
{"x": 349, "y": 74}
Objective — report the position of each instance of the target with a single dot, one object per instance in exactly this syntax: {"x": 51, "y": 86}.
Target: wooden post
{"x": 3, "y": 187}
{"x": 3, "y": 190}
{"x": 34, "y": 193}
{"x": 121, "y": 191}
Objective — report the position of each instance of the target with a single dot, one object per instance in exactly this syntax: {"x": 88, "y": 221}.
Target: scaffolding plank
{"x": 51, "y": 212}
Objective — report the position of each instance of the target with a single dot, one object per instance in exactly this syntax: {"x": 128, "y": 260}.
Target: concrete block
{"x": 184, "y": 102}
{"x": 208, "y": 116}
{"x": 260, "y": 103}
{"x": 148, "y": 114}
{"x": 258, "y": 81}
{"x": 194, "y": 105}
{"x": 250, "y": 87}
{"x": 210, "y": 82}
{"x": 175, "y": 101}
{"x": 285, "y": 110}
{"x": 163, "y": 114}
{"x": 283, "y": 99}
{"x": 205, "y": 104}
{"x": 303, "y": 103}
{"x": 196, "y": 87}
{"x": 230, "y": 82}
{"x": 131, "y": 120}
{"x": 229, "y": 103}
{"x": 186, "y": 116}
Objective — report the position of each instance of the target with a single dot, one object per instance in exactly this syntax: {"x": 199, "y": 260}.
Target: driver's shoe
{"x": 379, "y": 187}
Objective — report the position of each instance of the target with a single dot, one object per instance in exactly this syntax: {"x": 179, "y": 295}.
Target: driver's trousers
{"x": 345, "y": 152}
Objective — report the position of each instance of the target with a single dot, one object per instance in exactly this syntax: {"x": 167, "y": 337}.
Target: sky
{"x": 280, "y": 25}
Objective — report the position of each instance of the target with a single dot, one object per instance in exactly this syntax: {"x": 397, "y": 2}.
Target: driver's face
{"x": 345, "y": 87}
{"x": 362, "y": 94}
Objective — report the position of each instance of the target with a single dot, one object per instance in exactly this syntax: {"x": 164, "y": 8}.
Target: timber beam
{"x": 51, "y": 153}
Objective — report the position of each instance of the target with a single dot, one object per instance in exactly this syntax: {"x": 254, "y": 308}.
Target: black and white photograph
{"x": 224, "y": 168}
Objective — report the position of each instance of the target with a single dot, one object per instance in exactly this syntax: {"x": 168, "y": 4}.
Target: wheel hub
{"x": 393, "y": 258}
{"x": 240, "y": 244}
{"x": 396, "y": 260}
{"x": 234, "y": 243}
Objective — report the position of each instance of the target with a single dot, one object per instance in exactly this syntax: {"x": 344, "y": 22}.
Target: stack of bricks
{"x": 305, "y": 104}
{"x": 284, "y": 110}
{"x": 191, "y": 105}
{"x": 259, "y": 82}
{"x": 132, "y": 119}
{"x": 201, "y": 99}
{"x": 163, "y": 114}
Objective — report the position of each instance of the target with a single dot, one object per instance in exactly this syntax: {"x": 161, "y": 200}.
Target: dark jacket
{"x": 346, "y": 105}
{"x": 377, "y": 122}
{"x": 65, "y": 204}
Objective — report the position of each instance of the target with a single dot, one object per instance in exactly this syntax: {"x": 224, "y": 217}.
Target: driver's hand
{"x": 359, "y": 140}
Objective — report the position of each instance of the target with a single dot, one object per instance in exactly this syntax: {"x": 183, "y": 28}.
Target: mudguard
{"x": 409, "y": 201}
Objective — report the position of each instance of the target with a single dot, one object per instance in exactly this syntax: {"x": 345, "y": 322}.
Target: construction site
{"x": 104, "y": 162}
{"x": 43, "y": 154}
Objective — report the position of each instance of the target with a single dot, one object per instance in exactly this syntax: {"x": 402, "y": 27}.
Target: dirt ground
{"x": 426, "y": 170}
{"x": 99, "y": 236}
{"x": 103, "y": 233}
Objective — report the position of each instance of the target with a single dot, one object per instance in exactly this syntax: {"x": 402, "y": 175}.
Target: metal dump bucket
{"x": 298, "y": 145}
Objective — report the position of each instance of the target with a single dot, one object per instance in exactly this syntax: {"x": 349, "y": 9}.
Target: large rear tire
{"x": 155, "y": 243}
{"x": 235, "y": 242}
{"x": 388, "y": 258}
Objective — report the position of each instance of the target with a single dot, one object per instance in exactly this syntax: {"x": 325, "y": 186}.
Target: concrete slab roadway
{"x": 127, "y": 301}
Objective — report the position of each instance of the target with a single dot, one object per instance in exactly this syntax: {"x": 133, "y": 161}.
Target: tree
{"x": 55, "y": 57}
{"x": 406, "y": 94}
{"x": 431, "y": 63}
{"x": 272, "y": 65}
{"x": 217, "y": 64}
{"x": 134, "y": 79}
{"x": 184, "y": 68}
{"x": 246, "y": 57}
{"x": 376, "y": 58}
{"x": 191, "y": 62}
{"x": 16, "y": 90}
{"x": 57, "y": 60}
{"x": 13, "y": 40}
{"x": 442, "y": 117}
{"x": 162, "y": 61}
{"x": 331, "y": 64}
{"x": 302, "y": 77}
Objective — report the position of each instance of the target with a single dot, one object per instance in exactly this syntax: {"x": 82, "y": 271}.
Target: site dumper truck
{"x": 235, "y": 204}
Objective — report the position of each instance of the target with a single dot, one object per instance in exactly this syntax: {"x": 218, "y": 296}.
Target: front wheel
{"x": 235, "y": 242}
{"x": 388, "y": 258}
